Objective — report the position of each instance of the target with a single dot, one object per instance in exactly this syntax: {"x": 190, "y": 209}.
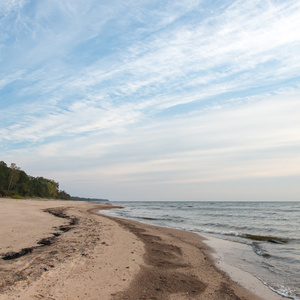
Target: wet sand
{"x": 66, "y": 250}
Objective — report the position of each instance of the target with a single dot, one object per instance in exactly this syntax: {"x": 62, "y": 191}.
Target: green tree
{"x": 4, "y": 174}
{"x": 15, "y": 182}
{"x": 63, "y": 195}
{"x": 14, "y": 172}
{"x": 23, "y": 184}
{"x": 52, "y": 188}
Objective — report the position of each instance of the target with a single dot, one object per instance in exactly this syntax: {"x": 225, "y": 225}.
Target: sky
{"x": 153, "y": 100}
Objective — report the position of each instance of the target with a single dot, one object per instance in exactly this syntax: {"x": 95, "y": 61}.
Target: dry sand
{"x": 66, "y": 250}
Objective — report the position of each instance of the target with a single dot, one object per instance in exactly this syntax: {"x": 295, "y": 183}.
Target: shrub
{"x": 17, "y": 197}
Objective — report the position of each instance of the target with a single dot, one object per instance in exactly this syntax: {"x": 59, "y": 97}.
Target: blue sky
{"x": 153, "y": 100}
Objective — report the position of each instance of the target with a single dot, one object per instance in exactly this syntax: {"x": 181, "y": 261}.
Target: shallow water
{"x": 269, "y": 229}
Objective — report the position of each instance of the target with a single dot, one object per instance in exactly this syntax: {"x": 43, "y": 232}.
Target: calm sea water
{"x": 271, "y": 231}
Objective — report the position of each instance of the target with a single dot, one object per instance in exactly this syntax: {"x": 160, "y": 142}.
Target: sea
{"x": 268, "y": 231}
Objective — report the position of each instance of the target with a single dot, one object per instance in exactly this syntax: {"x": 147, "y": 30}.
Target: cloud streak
{"x": 152, "y": 92}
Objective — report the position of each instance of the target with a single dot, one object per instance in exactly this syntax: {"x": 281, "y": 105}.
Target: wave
{"x": 253, "y": 237}
{"x": 262, "y": 238}
{"x": 152, "y": 219}
{"x": 285, "y": 292}
{"x": 226, "y": 225}
{"x": 259, "y": 250}
{"x": 148, "y": 218}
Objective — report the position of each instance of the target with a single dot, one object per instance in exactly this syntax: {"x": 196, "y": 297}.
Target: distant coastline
{"x": 88, "y": 199}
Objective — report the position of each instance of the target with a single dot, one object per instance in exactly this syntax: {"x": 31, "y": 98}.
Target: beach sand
{"x": 65, "y": 250}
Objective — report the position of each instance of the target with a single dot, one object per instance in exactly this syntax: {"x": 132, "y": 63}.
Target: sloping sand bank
{"x": 66, "y": 250}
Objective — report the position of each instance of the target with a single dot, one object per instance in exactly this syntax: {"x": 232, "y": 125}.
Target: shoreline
{"x": 213, "y": 250}
{"x": 242, "y": 277}
{"x": 102, "y": 257}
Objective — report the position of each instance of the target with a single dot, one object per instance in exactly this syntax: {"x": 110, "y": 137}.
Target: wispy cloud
{"x": 162, "y": 92}
{"x": 224, "y": 144}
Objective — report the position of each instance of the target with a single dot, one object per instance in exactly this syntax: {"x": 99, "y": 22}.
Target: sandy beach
{"x": 53, "y": 249}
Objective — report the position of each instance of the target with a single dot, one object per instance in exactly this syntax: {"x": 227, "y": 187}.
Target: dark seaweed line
{"x": 48, "y": 240}
{"x": 270, "y": 239}
{"x": 13, "y": 255}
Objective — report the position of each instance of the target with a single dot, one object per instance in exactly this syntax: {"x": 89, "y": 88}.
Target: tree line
{"x": 15, "y": 183}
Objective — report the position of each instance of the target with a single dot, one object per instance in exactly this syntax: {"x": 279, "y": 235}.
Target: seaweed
{"x": 48, "y": 240}
{"x": 13, "y": 255}
{"x": 270, "y": 239}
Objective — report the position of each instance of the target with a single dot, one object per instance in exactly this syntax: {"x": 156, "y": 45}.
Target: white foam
{"x": 240, "y": 276}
